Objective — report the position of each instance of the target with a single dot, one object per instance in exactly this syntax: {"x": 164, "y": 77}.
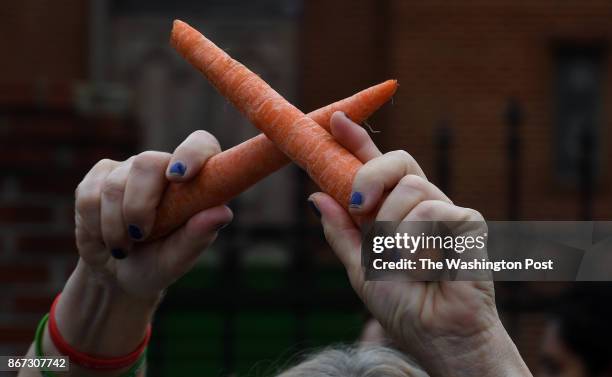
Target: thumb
{"x": 181, "y": 249}
{"x": 340, "y": 231}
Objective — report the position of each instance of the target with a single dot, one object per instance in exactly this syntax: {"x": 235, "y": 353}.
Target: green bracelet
{"x": 38, "y": 340}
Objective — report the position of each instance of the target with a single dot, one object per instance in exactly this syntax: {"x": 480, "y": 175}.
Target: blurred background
{"x": 503, "y": 103}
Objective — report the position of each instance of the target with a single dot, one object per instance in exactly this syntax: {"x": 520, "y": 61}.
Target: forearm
{"x": 96, "y": 317}
{"x": 491, "y": 354}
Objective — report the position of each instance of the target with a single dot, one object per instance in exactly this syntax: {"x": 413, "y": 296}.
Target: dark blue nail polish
{"x": 134, "y": 232}
{"x": 314, "y": 208}
{"x": 118, "y": 253}
{"x": 356, "y": 200}
{"x": 178, "y": 168}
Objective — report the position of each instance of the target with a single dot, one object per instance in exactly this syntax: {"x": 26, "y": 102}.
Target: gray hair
{"x": 356, "y": 361}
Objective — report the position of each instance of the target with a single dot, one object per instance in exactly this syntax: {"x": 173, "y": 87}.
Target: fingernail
{"x": 314, "y": 208}
{"x": 134, "y": 232}
{"x": 178, "y": 168}
{"x": 221, "y": 226}
{"x": 356, "y": 200}
{"x": 118, "y": 253}
{"x": 347, "y": 117}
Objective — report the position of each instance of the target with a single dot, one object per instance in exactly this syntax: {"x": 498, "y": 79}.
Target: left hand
{"x": 115, "y": 210}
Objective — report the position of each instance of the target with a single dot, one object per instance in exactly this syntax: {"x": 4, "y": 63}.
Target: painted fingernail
{"x": 134, "y": 232}
{"x": 314, "y": 208}
{"x": 118, "y": 253}
{"x": 356, "y": 200}
{"x": 178, "y": 168}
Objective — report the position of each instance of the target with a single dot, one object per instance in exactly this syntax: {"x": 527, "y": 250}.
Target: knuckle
{"x": 404, "y": 156}
{"x": 426, "y": 209}
{"x": 149, "y": 161}
{"x": 87, "y": 195}
{"x": 87, "y": 202}
{"x": 113, "y": 188}
{"x": 104, "y": 163}
{"x": 207, "y": 137}
{"x": 413, "y": 182}
{"x": 94, "y": 173}
{"x": 472, "y": 215}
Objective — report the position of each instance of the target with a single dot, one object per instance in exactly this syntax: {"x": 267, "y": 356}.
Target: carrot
{"x": 295, "y": 134}
{"x": 231, "y": 172}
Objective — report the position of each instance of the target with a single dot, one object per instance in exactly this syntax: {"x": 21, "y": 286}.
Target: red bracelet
{"x": 86, "y": 360}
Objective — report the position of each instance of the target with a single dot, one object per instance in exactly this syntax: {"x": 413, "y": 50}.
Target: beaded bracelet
{"x": 38, "y": 340}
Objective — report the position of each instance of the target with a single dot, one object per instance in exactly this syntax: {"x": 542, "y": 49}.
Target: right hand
{"x": 451, "y": 327}
{"x": 115, "y": 209}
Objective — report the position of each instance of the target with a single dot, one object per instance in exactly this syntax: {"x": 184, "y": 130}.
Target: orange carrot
{"x": 296, "y": 135}
{"x": 231, "y": 172}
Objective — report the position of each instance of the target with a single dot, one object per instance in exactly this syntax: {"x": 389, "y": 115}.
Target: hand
{"x": 115, "y": 209}
{"x": 109, "y": 300}
{"x": 452, "y": 328}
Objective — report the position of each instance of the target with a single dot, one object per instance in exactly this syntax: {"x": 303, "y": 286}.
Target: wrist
{"x": 491, "y": 353}
{"x": 97, "y": 317}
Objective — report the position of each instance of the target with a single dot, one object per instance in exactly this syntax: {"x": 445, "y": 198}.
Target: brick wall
{"x": 34, "y": 32}
{"x": 46, "y": 147}
{"x": 459, "y": 63}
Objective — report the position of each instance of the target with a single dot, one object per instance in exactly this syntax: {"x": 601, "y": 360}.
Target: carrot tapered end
{"x": 389, "y": 87}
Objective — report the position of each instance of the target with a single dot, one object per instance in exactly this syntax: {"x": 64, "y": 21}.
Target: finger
{"x": 87, "y": 197}
{"x": 378, "y": 176}
{"x": 190, "y": 155}
{"x": 438, "y": 210}
{"x": 181, "y": 249}
{"x": 114, "y": 231}
{"x": 459, "y": 221}
{"x": 144, "y": 187}
{"x": 340, "y": 231}
{"x": 353, "y": 137}
{"x": 407, "y": 194}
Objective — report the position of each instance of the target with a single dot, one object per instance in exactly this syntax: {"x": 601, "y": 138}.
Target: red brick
{"x": 40, "y": 94}
{"x": 15, "y": 274}
{"x": 460, "y": 63}
{"x": 17, "y": 333}
{"x": 20, "y": 156}
{"x": 66, "y": 128}
{"x": 33, "y": 304}
{"x": 62, "y": 44}
{"x": 50, "y": 183}
{"x": 25, "y": 214}
{"x": 47, "y": 244}
{"x": 41, "y": 128}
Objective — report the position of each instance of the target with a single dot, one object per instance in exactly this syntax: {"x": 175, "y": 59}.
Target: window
{"x": 578, "y": 112}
